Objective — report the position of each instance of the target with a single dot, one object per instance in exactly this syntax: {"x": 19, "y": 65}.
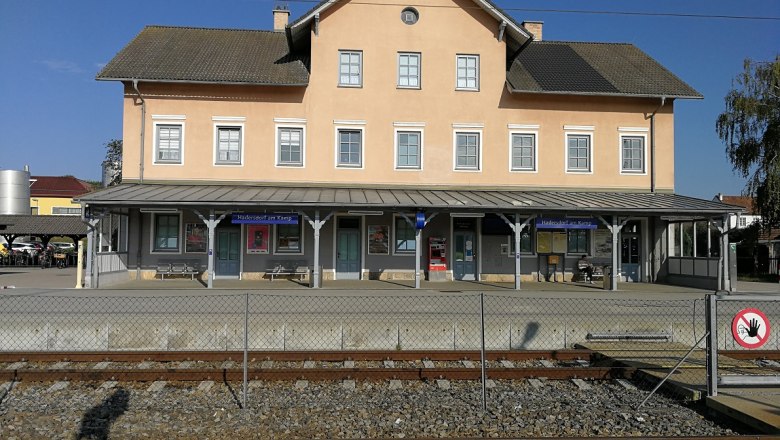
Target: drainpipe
{"x": 143, "y": 131}
{"x": 652, "y": 143}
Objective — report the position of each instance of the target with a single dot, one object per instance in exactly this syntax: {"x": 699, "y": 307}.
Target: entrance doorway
{"x": 630, "y": 258}
{"x": 228, "y": 257}
{"x": 464, "y": 262}
{"x": 348, "y": 248}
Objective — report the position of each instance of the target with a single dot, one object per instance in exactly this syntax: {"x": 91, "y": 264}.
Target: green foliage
{"x": 113, "y": 162}
{"x": 750, "y": 127}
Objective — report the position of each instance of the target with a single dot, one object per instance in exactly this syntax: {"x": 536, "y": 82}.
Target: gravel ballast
{"x": 331, "y": 410}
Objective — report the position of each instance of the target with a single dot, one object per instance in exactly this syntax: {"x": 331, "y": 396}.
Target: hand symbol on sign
{"x": 754, "y": 326}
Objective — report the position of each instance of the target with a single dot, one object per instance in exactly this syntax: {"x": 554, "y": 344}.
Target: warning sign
{"x": 750, "y": 328}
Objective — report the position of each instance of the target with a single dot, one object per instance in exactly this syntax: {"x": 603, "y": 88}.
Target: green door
{"x": 228, "y": 253}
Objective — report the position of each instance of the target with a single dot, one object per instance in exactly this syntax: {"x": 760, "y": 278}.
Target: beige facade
{"x": 378, "y": 108}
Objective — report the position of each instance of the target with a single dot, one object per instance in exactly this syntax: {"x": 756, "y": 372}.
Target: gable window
{"x": 467, "y": 150}
{"x": 290, "y": 146}
{"x": 577, "y": 241}
{"x": 632, "y": 154}
{"x": 523, "y": 152}
{"x": 409, "y": 149}
{"x": 578, "y": 153}
{"x": 229, "y": 142}
{"x": 409, "y": 70}
{"x": 166, "y": 233}
{"x": 404, "y": 235}
{"x": 468, "y": 72}
{"x": 169, "y": 143}
{"x": 289, "y": 238}
{"x": 410, "y": 15}
{"x": 350, "y": 147}
{"x": 350, "y": 68}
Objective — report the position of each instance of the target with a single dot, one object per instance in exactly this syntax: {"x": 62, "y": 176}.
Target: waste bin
{"x": 607, "y": 277}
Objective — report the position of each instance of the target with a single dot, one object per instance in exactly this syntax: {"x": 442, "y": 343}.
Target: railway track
{"x": 315, "y": 366}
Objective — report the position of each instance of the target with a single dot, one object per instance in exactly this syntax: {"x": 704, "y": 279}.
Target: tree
{"x": 112, "y": 165}
{"x": 750, "y": 127}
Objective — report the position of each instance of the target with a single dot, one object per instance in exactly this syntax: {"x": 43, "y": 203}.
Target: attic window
{"x": 410, "y": 15}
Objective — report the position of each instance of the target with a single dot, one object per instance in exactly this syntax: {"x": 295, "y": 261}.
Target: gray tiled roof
{"x": 247, "y": 197}
{"x": 593, "y": 69}
{"x": 43, "y": 224}
{"x": 226, "y": 56}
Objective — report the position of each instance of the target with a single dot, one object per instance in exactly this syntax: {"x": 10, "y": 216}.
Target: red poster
{"x": 257, "y": 237}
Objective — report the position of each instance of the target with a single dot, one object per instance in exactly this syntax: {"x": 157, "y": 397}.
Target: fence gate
{"x": 745, "y": 322}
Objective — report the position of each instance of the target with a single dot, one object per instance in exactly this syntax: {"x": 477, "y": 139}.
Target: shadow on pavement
{"x": 96, "y": 423}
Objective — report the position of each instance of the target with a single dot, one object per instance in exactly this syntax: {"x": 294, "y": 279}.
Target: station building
{"x": 366, "y": 140}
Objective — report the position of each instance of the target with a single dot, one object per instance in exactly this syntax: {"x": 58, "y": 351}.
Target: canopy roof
{"x": 243, "y": 197}
{"x": 37, "y": 225}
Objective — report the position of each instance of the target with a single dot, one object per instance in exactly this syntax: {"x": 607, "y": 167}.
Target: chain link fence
{"x": 332, "y": 322}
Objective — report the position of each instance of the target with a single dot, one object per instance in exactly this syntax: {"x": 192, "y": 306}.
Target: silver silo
{"x": 15, "y": 192}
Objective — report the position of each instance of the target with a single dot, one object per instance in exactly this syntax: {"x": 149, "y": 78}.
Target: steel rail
{"x": 314, "y": 374}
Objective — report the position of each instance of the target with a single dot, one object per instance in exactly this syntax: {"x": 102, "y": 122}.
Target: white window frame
{"x": 524, "y": 130}
{"x": 351, "y": 126}
{"x": 419, "y": 70}
{"x": 222, "y": 123}
{"x": 66, "y": 207}
{"x": 465, "y": 55}
{"x": 360, "y": 68}
{"x": 278, "y": 149}
{"x": 156, "y": 124}
{"x": 408, "y": 127}
{"x": 629, "y": 132}
{"x": 276, "y": 250}
{"x": 457, "y": 130}
{"x": 578, "y": 131}
{"x": 394, "y": 234}
{"x": 153, "y": 230}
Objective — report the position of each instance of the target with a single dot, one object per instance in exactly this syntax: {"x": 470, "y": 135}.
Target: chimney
{"x": 534, "y": 27}
{"x": 281, "y": 17}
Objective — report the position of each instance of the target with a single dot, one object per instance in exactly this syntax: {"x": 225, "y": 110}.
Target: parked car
{"x": 30, "y": 248}
{"x": 63, "y": 245}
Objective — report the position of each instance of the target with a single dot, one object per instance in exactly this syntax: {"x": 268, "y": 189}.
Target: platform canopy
{"x": 44, "y": 226}
{"x": 242, "y": 197}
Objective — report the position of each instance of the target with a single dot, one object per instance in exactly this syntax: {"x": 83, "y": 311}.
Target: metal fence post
{"x": 482, "y": 349}
{"x": 712, "y": 345}
{"x": 246, "y": 351}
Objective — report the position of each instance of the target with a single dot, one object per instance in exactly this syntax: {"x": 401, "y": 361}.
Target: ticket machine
{"x": 437, "y": 259}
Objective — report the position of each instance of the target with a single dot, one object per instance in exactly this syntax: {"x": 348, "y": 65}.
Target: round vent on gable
{"x": 410, "y": 15}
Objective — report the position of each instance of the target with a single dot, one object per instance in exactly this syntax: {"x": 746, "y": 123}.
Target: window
{"x": 404, "y": 235}
{"x": 467, "y": 151}
{"x": 289, "y": 238}
{"x": 409, "y": 70}
{"x": 350, "y": 143}
{"x": 577, "y": 241}
{"x": 169, "y": 142}
{"x": 525, "y": 243}
{"x": 228, "y": 145}
{"x": 633, "y": 154}
{"x": 523, "y": 152}
{"x": 410, "y": 15}
{"x": 578, "y": 152}
{"x": 409, "y": 149}
{"x": 290, "y": 146}
{"x": 468, "y": 72}
{"x": 60, "y": 210}
{"x": 350, "y": 68}
{"x": 166, "y": 233}
{"x": 742, "y": 222}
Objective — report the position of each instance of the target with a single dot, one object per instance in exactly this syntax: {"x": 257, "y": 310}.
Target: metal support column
{"x": 316, "y": 225}
{"x": 723, "y": 269}
{"x": 517, "y": 229}
{"x": 417, "y": 245}
{"x": 614, "y": 227}
{"x": 89, "y": 282}
{"x": 211, "y": 223}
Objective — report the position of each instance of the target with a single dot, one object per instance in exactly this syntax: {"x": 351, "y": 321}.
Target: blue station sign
{"x": 265, "y": 219}
{"x": 566, "y": 223}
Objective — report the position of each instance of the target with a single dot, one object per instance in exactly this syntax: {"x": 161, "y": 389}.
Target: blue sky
{"x": 56, "y": 118}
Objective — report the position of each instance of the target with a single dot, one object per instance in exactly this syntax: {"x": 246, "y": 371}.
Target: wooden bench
{"x": 598, "y": 274}
{"x": 184, "y": 268}
{"x": 288, "y": 268}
